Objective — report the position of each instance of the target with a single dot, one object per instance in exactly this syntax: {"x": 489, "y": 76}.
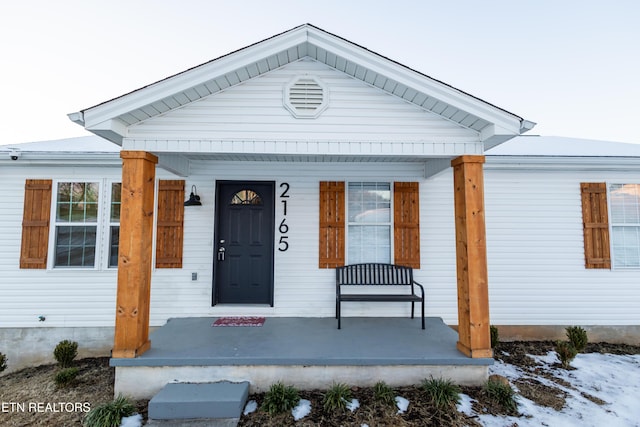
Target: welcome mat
{"x": 239, "y": 321}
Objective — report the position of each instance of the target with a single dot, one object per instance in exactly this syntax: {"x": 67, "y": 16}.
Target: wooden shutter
{"x": 406, "y": 224}
{"x": 332, "y": 224}
{"x": 595, "y": 218}
{"x": 35, "y": 223}
{"x": 169, "y": 233}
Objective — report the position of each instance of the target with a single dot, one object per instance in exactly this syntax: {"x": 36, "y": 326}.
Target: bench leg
{"x": 422, "y": 313}
{"x": 338, "y": 312}
{"x": 413, "y": 307}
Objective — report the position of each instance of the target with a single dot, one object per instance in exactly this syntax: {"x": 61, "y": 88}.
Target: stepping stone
{"x": 199, "y": 401}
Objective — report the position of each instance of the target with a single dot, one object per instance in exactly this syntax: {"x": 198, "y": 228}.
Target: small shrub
{"x": 280, "y": 398}
{"x": 65, "y": 377}
{"x": 502, "y": 394}
{"x": 566, "y": 352}
{"x": 65, "y": 352}
{"x": 337, "y": 397}
{"x": 442, "y": 393}
{"x": 110, "y": 414}
{"x": 384, "y": 394}
{"x": 3, "y": 362}
{"x": 577, "y": 337}
{"x": 495, "y": 338}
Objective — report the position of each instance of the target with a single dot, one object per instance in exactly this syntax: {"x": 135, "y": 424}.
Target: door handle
{"x": 221, "y": 254}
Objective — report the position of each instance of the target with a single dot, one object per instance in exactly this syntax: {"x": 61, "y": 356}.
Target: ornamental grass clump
{"x": 495, "y": 338}
{"x": 65, "y": 377}
{"x": 337, "y": 397}
{"x": 502, "y": 394}
{"x": 442, "y": 393}
{"x": 577, "y": 337}
{"x": 384, "y": 394}
{"x": 3, "y": 362}
{"x": 280, "y": 398}
{"x": 65, "y": 352}
{"x": 110, "y": 414}
{"x": 566, "y": 352}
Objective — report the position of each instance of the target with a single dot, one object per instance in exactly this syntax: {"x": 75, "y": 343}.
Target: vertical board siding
{"x": 406, "y": 224}
{"x": 332, "y": 224}
{"x": 35, "y": 223}
{"x": 170, "y": 224}
{"x": 595, "y": 215}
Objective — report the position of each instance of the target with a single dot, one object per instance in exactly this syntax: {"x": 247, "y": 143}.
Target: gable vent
{"x": 305, "y": 97}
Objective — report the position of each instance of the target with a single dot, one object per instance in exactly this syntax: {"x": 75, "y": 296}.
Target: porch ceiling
{"x": 111, "y": 118}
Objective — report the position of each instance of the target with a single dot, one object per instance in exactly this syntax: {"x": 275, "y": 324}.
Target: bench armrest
{"x": 420, "y": 286}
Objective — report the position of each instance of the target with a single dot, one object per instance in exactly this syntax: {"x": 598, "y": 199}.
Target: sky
{"x": 571, "y": 66}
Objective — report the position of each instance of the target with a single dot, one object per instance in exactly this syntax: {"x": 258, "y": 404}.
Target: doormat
{"x": 239, "y": 321}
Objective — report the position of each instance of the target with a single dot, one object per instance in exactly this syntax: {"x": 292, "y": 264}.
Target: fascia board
{"x": 65, "y": 159}
{"x": 190, "y": 78}
{"x": 417, "y": 81}
{"x": 305, "y": 34}
{"x": 562, "y": 162}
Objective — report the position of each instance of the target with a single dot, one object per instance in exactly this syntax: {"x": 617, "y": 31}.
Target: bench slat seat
{"x": 375, "y": 274}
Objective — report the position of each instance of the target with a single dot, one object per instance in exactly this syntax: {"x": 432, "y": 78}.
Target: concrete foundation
{"x": 143, "y": 382}
{"x": 34, "y": 346}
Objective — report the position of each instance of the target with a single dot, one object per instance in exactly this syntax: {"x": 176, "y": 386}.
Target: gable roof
{"x": 110, "y": 119}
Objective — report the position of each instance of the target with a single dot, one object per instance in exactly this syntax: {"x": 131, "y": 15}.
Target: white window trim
{"x": 103, "y": 225}
{"x": 390, "y": 223}
{"x": 611, "y": 225}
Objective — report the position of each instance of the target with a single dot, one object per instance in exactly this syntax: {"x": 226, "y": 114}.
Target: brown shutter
{"x": 169, "y": 233}
{"x": 35, "y": 223}
{"x": 332, "y": 224}
{"x": 406, "y": 224}
{"x": 595, "y": 219}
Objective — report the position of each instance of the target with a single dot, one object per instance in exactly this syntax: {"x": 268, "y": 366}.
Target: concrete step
{"x": 184, "y": 401}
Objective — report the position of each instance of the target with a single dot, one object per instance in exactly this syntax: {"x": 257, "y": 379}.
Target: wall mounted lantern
{"x": 194, "y": 199}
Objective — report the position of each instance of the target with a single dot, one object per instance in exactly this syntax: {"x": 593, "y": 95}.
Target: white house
{"x": 306, "y": 152}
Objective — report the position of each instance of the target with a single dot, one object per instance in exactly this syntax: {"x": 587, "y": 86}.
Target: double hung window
{"x": 624, "y": 202}
{"x": 369, "y": 222}
{"x": 79, "y": 224}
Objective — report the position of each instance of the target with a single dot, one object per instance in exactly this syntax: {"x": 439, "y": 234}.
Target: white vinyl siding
{"x": 535, "y": 252}
{"x": 624, "y": 212}
{"x": 251, "y": 117}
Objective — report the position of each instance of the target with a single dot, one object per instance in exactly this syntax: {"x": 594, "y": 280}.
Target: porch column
{"x": 134, "y": 254}
{"x": 474, "y": 338}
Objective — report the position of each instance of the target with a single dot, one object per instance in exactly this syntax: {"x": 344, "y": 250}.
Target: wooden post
{"x": 134, "y": 254}
{"x": 474, "y": 337}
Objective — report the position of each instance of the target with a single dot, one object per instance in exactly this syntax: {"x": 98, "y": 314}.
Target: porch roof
{"x": 111, "y": 119}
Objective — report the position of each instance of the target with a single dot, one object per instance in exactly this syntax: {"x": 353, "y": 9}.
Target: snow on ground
{"x": 402, "y": 404}
{"x": 613, "y": 379}
{"x": 302, "y": 409}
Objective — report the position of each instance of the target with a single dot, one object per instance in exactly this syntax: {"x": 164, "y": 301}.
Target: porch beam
{"x": 134, "y": 254}
{"x": 474, "y": 338}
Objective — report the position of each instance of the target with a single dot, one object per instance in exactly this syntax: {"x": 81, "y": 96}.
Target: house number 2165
{"x": 283, "y": 228}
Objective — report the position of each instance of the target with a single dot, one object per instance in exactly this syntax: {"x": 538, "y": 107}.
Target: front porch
{"x": 308, "y": 353}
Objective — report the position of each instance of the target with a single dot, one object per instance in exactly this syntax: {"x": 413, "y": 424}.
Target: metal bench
{"x": 377, "y": 275}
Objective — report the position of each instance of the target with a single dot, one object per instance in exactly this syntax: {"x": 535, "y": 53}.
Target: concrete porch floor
{"x": 305, "y": 352}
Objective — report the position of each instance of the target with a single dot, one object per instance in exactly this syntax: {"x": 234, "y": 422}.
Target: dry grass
{"x": 94, "y": 386}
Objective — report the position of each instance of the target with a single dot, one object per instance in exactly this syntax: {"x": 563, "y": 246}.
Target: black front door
{"x": 243, "y": 250}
